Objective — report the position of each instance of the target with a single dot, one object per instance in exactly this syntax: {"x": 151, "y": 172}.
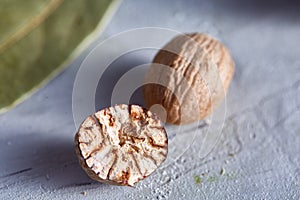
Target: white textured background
{"x": 260, "y": 144}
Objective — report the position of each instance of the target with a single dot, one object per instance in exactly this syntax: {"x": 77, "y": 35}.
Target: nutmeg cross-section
{"x": 121, "y": 145}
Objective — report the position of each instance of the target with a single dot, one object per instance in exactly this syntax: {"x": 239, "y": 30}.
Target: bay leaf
{"x": 39, "y": 37}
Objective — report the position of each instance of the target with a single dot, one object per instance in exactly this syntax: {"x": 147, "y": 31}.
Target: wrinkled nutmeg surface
{"x": 189, "y": 77}
{"x": 121, "y": 145}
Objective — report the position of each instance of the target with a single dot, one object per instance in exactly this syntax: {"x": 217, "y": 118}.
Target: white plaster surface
{"x": 258, "y": 150}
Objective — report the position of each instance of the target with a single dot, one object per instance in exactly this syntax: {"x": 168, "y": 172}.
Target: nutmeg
{"x": 189, "y": 77}
{"x": 121, "y": 145}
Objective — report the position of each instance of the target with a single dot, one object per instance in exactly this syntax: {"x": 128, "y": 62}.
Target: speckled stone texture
{"x": 258, "y": 149}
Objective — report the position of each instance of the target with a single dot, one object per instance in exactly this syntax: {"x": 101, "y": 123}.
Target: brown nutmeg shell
{"x": 189, "y": 77}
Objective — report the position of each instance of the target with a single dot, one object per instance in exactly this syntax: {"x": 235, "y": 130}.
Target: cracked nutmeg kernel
{"x": 189, "y": 77}
{"x": 121, "y": 145}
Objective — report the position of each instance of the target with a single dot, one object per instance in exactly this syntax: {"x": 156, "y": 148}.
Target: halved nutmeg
{"x": 121, "y": 145}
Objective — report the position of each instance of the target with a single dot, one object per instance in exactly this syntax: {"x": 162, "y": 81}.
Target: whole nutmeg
{"x": 189, "y": 77}
{"x": 121, "y": 145}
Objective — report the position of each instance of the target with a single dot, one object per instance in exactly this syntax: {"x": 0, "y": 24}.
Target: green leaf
{"x": 39, "y": 37}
